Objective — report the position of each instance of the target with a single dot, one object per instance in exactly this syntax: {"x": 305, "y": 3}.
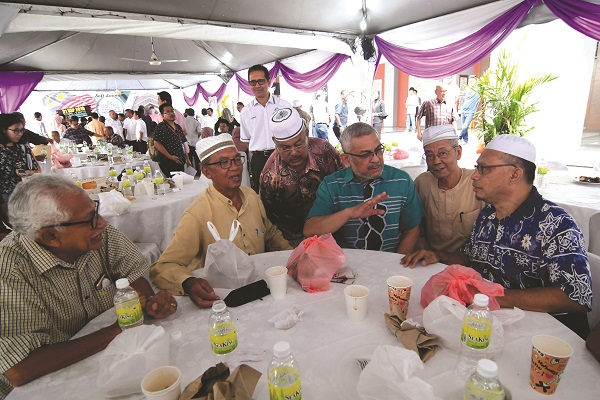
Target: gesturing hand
{"x": 200, "y": 292}
{"x": 366, "y": 209}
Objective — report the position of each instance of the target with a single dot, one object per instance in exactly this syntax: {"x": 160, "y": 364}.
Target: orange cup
{"x": 549, "y": 358}
{"x": 399, "y": 292}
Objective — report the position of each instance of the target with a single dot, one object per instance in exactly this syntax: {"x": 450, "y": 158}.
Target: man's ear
{"x": 48, "y": 237}
{"x": 458, "y": 152}
{"x": 206, "y": 172}
{"x": 345, "y": 159}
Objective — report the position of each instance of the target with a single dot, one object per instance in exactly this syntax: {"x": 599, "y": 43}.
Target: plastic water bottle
{"x": 127, "y": 305}
{"x": 221, "y": 329}
{"x": 284, "y": 374}
{"x": 139, "y": 175}
{"x": 147, "y": 169}
{"x": 484, "y": 384}
{"x": 128, "y": 169}
{"x": 112, "y": 174}
{"x": 126, "y": 186}
{"x": 475, "y": 336}
{"x": 542, "y": 171}
{"x": 160, "y": 181}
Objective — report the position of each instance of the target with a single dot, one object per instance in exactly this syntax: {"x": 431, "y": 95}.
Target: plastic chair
{"x": 594, "y": 315}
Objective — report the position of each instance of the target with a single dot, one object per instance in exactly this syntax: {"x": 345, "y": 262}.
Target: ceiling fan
{"x": 153, "y": 58}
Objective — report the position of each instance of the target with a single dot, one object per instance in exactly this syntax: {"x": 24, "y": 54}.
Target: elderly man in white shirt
{"x": 130, "y": 128}
{"x": 114, "y": 123}
{"x": 141, "y": 133}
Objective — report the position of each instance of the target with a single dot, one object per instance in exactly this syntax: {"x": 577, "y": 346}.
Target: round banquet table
{"x": 326, "y": 343}
{"x": 153, "y": 219}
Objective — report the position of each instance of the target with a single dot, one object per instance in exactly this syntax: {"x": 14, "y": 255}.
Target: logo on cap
{"x": 281, "y": 115}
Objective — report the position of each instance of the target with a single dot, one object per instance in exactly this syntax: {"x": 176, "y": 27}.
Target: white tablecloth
{"x": 326, "y": 342}
{"x": 152, "y": 219}
{"x": 580, "y": 200}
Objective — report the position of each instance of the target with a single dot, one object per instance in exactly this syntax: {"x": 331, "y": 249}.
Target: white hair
{"x": 356, "y": 130}
{"x": 36, "y": 203}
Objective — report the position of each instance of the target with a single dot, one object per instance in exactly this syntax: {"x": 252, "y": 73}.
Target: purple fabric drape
{"x": 314, "y": 80}
{"x": 578, "y": 14}
{"x": 15, "y": 87}
{"x": 308, "y": 82}
{"x": 458, "y": 56}
{"x": 190, "y": 101}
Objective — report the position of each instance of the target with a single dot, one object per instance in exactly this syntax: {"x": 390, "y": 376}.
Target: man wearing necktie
{"x": 369, "y": 205}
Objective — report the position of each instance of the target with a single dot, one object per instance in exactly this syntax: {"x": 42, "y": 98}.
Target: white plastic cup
{"x": 277, "y": 281}
{"x": 356, "y": 302}
{"x": 178, "y": 179}
{"x": 149, "y": 188}
{"x": 162, "y": 383}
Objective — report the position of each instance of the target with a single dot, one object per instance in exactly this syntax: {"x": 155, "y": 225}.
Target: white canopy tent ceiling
{"x": 85, "y": 42}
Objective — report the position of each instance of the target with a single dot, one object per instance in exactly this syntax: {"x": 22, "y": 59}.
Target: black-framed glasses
{"x": 93, "y": 221}
{"x": 255, "y": 82}
{"x": 225, "y": 163}
{"x": 17, "y": 131}
{"x": 369, "y": 154}
{"x": 482, "y": 168}
{"x": 298, "y": 146}
{"x": 442, "y": 155}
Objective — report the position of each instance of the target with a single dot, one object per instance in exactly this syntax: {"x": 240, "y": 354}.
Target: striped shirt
{"x": 436, "y": 113}
{"x": 45, "y": 300}
{"x": 341, "y": 190}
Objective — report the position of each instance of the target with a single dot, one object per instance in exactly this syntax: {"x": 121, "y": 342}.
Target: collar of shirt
{"x": 526, "y": 208}
{"x": 255, "y": 102}
{"x": 439, "y": 102}
{"x": 225, "y": 200}
{"x": 42, "y": 259}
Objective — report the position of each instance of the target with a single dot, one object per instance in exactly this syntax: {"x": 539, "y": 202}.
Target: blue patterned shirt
{"x": 341, "y": 190}
{"x": 538, "y": 245}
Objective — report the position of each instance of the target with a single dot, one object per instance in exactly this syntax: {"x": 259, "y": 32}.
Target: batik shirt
{"x": 171, "y": 140}
{"x": 79, "y": 135}
{"x": 13, "y": 158}
{"x": 288, "y": 195}
{"x": 538, "y": 245}
{"x": 402, "y": 211}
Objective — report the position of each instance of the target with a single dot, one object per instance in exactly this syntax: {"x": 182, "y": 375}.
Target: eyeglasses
{"x": 298, "y": 146}
{"x": 257, "y": 82}
{"x": 17, "y": 131}
{"x": 225, "y": 163}
{"x": 93, "y": 221}
{"x": 442, "y": 155}
{"x": 169, "y": 112}
{"x": 369, "y": 154}
{"x": 482, "y": 168}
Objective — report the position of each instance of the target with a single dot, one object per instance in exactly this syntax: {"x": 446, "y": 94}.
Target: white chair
{"x": 594, "y": 244}
{"x": 150, "y": 251}
{"x": 594, "y": 315}
{"x": 414, "y": 170}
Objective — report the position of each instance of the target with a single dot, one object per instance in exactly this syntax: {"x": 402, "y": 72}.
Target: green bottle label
{"x": 112, "y": 173}
{"x": 129, "y": 171}
{"x": 129, "y": 313}
{"x": 159, "y": 181}
{"x": 285, "y": 383}
{"x": 476, "y": 332}
{"x": 147, "y": 170}
{"x": 223, "y": 338}
{"x": 125, "y": 183}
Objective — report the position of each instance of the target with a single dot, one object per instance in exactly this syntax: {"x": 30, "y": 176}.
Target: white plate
{"x": 576, "y": 179}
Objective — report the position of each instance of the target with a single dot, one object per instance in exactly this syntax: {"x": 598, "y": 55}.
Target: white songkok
{"x": 286, "y": 124}
{"x": 297, "y": 103}
{"x": 438, "y": 132}
{"x": 210, "y": 145}
{"x": 513, "y": 145}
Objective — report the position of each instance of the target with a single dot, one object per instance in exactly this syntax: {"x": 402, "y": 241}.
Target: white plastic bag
{"x": 444, "y": 316}
{"x": 113, "y": 203}
{"x": 129, "y": 357}
{"x": 187, "y": 177}
{"x": 226, "y": 265}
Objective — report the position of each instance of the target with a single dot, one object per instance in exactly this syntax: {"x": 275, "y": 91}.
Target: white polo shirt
{"x": 130, "y": 125}
{"x": 140, "y": 126}
{"x": 116, "y": 125}
{"x": 254, "y": 124}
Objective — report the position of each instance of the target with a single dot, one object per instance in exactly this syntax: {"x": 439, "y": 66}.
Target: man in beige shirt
{"x": 222, "y": 203}
{"x": 445, "y": 191}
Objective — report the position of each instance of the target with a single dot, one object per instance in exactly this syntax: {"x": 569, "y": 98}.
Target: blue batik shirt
{"x": 538, "y": 245}
{"x": 341, "y": 190}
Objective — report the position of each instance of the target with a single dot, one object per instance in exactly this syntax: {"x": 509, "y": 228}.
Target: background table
{"x": 101, "y": 168}
{"x": 326, "y": 342}
{"x": 153, "y": 219}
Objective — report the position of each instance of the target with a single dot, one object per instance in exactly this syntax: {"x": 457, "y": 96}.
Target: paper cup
{"x": 356, "y": 302}
{"x": 277, "y": 281}
{"x": 549, "y": 358}
{"x": 399, "y": 288}
{"x": 149, "y": 188}
{"x": 178, "y": 179}
{"x": 163, "y": 383}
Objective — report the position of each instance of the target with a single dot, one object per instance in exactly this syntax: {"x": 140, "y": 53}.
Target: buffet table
{"x": 326, "y": 343}
{"x": 100, "y": 168}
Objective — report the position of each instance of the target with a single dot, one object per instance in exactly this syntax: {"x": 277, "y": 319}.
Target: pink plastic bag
{"x": 314, "y": 262}
{"x": 460, "y": 283}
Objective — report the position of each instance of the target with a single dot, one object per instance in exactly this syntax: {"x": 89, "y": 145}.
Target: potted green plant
{"x": 505, "y": 100}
